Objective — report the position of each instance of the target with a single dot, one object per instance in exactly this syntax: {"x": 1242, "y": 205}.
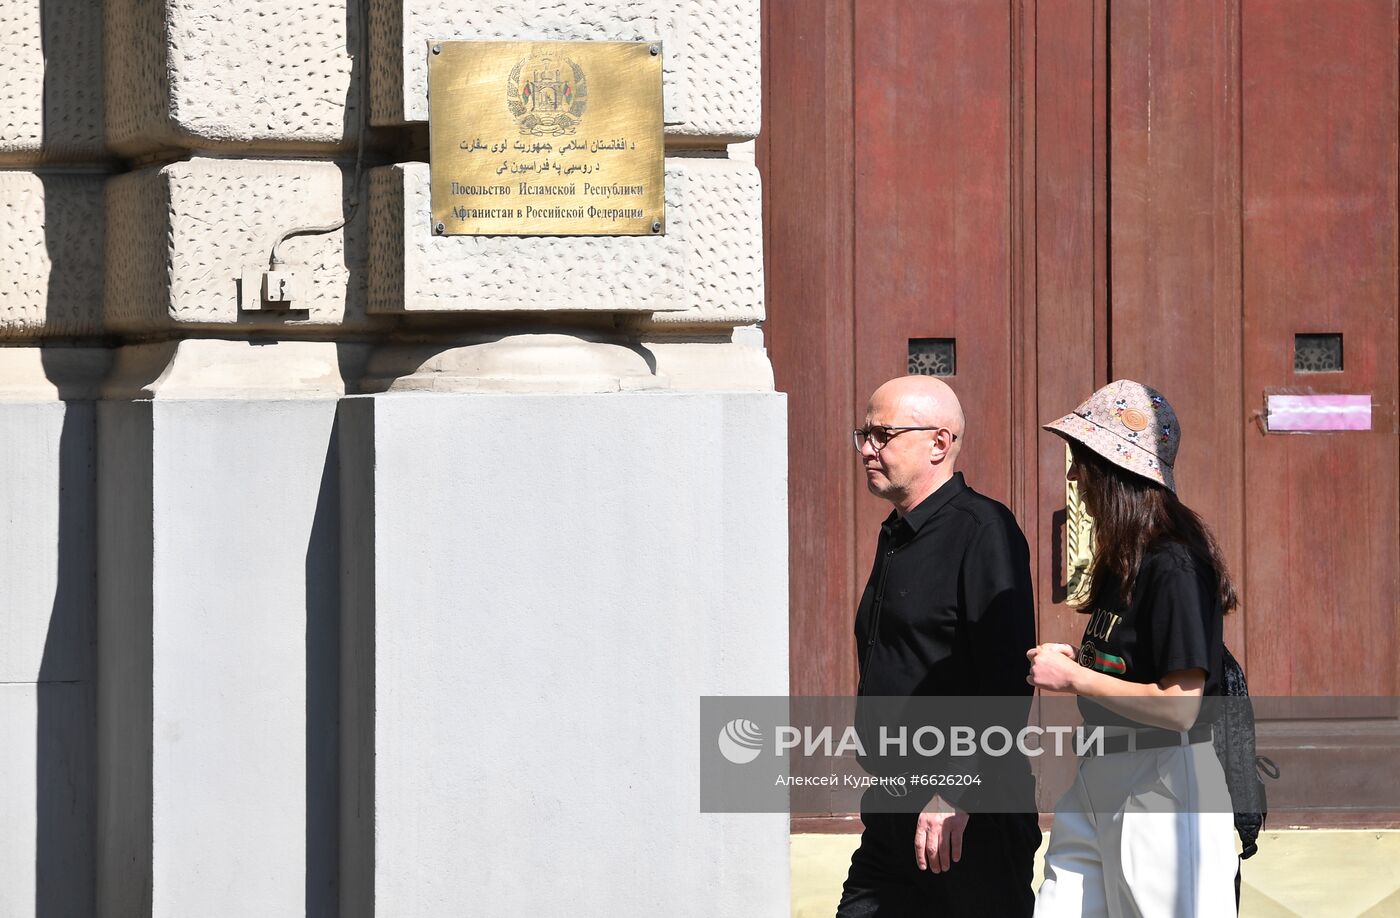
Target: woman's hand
{"x": 1053, "y": 668}
{"x": 1172, "y": 704}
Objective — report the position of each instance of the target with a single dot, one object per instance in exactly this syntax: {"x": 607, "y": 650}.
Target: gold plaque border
{"x": 634, "y": 67}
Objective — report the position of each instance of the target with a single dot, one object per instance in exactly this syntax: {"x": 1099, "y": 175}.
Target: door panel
{"x": 1075, "y": 192}
{"x": 1070, "y": 310}
{"x": 933, "y": 216}
{"x": 1319, "y": 163}
{"x": 807, "y": 268}
{"x": 1174, "y": 238}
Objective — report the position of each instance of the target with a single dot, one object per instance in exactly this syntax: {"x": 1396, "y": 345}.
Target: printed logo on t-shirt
{"x": 1090, "y": 657}
{"x": 1101, "y": 624}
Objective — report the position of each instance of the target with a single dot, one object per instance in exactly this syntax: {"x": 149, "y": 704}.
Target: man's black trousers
{"x": 992, "y": 878}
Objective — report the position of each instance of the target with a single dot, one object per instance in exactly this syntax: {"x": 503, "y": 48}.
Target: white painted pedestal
{"x": 539, "y": 588}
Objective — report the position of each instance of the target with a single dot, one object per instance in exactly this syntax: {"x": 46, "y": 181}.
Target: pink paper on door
{"x": 1319, "y": 412}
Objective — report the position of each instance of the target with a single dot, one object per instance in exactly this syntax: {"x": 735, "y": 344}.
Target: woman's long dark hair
{"x": 1132, "y": 514}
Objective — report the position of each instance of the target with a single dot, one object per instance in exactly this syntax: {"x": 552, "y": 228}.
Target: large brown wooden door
{"x": 932, "y": 142}
{"x": 1074, "y": 191}
{"x": 888, "y": 158}
{"x": 1319, "y": 230}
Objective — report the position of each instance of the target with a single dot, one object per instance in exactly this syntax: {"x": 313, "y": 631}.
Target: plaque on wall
{"x": 546, "y": 138}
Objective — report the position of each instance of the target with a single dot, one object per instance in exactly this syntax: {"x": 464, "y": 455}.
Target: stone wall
{"x": 277, "y": 576}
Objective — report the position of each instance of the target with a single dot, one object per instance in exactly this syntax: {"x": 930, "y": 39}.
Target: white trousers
{"x": 1129, "y": 840}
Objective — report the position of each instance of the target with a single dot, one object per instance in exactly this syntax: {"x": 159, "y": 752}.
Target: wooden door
{"x": 1319, "y": 194}
{"x": 932, "y": 213}
{"x": 1073, "y": 192}
{"x": 889, "y": 203}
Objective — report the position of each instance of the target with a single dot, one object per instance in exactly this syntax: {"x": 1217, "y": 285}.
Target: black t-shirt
{"x": 948, "y": 608}
{"x": 948, "y": 611}
{"x": 1173, "y": 623}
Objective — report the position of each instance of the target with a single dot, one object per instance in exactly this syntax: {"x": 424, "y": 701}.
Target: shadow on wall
{"x": 66, "y": 724}
{"x": 323, "y": 692}
{"x": 66, "y": 766}
{"x": 323, "y": 554}
{"x": 355, "y": 174}
{"x": 65, "y": 760}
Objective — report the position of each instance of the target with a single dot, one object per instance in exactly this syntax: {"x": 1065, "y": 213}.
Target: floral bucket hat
{"x": 1130, "y": 425}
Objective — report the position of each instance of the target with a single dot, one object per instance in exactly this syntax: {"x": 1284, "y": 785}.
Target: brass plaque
{"x": 546, "y": 138}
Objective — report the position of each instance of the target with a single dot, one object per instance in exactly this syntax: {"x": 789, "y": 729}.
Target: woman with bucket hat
{"x": 1146, "y": 829}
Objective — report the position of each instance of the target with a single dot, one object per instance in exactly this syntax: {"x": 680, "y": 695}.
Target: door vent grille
{"x": 1317, "y": 353}
{"x": 932, "y": 357}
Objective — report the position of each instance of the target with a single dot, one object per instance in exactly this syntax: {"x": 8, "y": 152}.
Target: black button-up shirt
{"x": 948, "y": 609}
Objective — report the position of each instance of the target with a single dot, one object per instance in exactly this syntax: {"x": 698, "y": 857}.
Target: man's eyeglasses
{"x": 879, "y": 435}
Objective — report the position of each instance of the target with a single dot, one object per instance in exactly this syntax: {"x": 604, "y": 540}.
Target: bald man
{"x": 947, "y": 611}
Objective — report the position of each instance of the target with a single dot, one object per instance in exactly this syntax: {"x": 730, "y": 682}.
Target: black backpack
{"x": 1234, "y": 745}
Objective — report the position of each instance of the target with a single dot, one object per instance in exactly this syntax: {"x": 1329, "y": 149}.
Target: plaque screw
{"x": 437, "y": 49}
{"x": 654, "y": 50}
{"x": 656, "y": 226}
{"x": 439, "y": 229}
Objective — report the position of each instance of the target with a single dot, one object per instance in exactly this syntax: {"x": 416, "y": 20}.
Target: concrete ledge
{"x": 540, "y": 360}
{"x": 711, "y": 364}
{"x": 529, "y": 362}
{"x": 50, "y": 374}
{"x": 217, "y": 369}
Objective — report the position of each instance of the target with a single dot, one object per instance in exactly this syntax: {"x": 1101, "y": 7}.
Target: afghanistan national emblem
{"x": 547, "y": 95}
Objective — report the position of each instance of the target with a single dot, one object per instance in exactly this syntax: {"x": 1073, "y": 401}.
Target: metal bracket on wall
{"x": 260, "y": 289}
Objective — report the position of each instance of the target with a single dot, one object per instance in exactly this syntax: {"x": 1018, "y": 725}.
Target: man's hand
{"x": 938, "y": 838}
{"x": 1053, "y": 667}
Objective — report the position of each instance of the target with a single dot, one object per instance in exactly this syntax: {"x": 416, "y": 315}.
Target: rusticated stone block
{"x": 724, "y": 245}
{"x": 707, "y": 268}
{"x": 51, "y": 229}
{"x": 711, "y": 63}
{"x": 257, "y": 74}
{"x": 183, "y": 236}
{"x": 721, "y": 54}
{"x": 50, "y": 81}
